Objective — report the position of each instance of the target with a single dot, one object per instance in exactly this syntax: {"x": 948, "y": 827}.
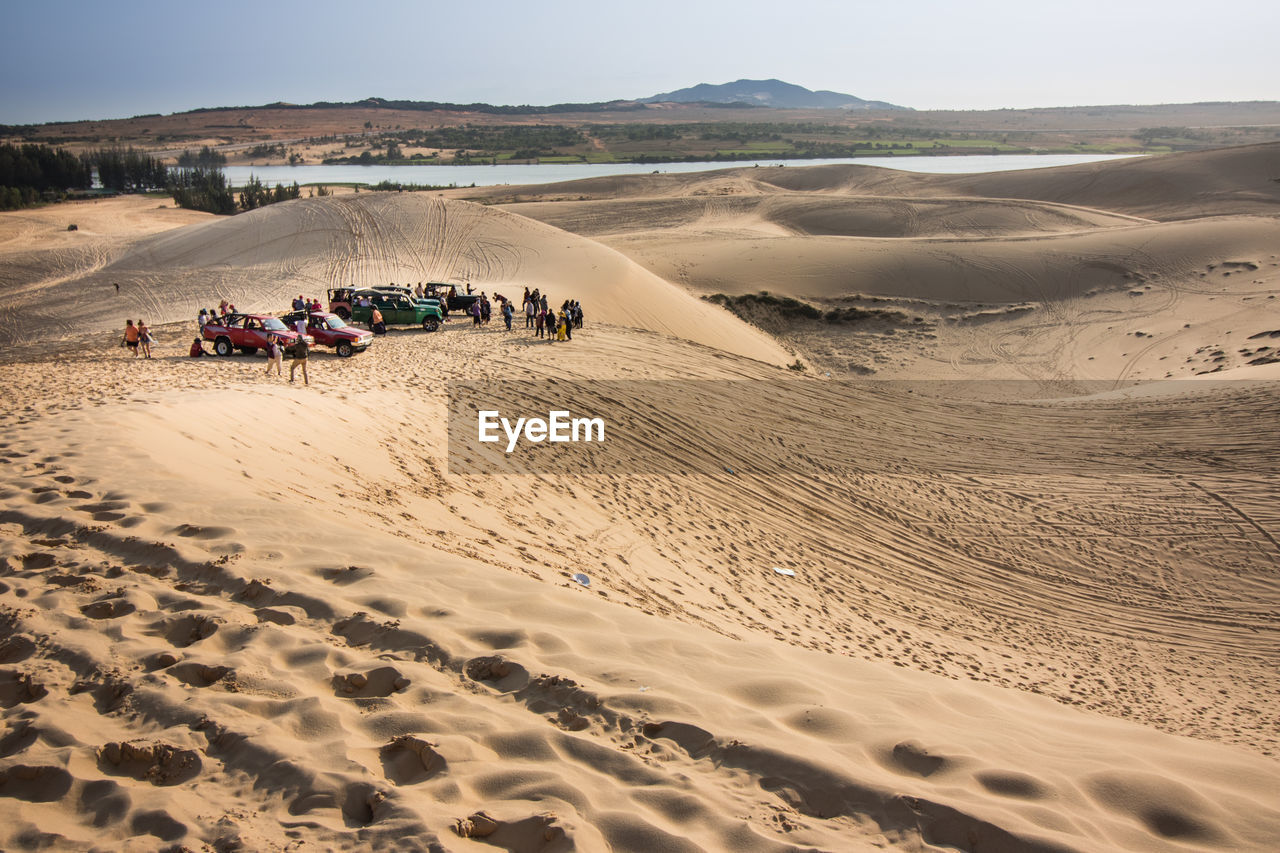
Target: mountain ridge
{"x": 773, "y": 93}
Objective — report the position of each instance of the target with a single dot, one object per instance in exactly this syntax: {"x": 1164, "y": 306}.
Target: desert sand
{"x": 1038, "y": 614}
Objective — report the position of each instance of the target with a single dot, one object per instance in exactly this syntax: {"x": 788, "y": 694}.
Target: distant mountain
{"x": 768, "y": 93}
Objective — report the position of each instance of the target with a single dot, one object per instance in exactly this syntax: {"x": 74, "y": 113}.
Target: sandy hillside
{"x": 936, "y": 613}
{"x": 261, "y": 260}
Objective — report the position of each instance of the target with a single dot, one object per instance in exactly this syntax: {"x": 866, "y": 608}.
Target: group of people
{"x": 137, "y": 338}
{"x": 542, "y": 319}
{"x": 308, "y": 305}
{"x": 209, "y": 315}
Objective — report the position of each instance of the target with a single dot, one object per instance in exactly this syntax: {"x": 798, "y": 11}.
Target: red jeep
{"x": 248, "y": 333}
{"x": 329, "y": 330}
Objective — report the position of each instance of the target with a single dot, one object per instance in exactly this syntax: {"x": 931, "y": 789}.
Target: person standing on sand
{"x": 529, "y": 310}
{"x": 275, "y": 358}
{"x": 131, "y": 337}
{"x": 507, "y": 313}
{"x": 145, "y": 339}
{"x": 299, "y": 354}
{"x": 538, "y": 320}
{"x": 475, "y": 313}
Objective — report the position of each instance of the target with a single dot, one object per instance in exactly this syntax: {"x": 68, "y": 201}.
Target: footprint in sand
{"x": 195, "y": 531}
{"x": 375, "y": 683}
{"x": 38, "y": 784}
{"x": 187, "y": 630}
{"x": 19, "y": 688}
{"x": 105, "y": 800}
{"x": 20, "y": 736}
{"x": 16, "y": 648}
{"x": 498, "y": 672}
{"x": 532, "y": 833}
{"x": 198, "y": 674}
{"x": 111, "y": 607}
{"x": 1010, "y": 784}
{"x": 408, "y": 760}
{"x": 913, "y": 758}
{"x": 38, "y": 560}
{"x": 158, "y": 763}
{"x": 349, "y": 574}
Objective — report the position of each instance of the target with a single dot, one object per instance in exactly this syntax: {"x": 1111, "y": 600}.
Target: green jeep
{"x": 397, "y": 309}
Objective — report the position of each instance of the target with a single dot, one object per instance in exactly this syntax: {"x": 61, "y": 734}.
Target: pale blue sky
{"x": 74, "y": 59}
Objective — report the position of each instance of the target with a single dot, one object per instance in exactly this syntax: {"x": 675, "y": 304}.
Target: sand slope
{"x": 263, "y": 658}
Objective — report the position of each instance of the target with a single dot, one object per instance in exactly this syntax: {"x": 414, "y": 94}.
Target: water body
{"x": 487, "y": 176}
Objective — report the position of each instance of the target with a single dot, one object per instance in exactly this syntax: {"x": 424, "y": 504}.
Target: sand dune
{"x": 807, "y": 215}
{"x": 1223, "y": 181}
{"x": 262, "y": 259}
{"x": 237, "y": 613}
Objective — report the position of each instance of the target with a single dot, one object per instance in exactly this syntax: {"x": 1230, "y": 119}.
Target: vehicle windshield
{"x": 334, "y": 323}
{"x": 272, "y": 324}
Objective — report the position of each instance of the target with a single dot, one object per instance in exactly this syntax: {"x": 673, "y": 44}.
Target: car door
{"x": 254, "y": 334}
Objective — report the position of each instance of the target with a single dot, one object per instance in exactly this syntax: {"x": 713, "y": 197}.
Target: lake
{"x": 486, "y": 176}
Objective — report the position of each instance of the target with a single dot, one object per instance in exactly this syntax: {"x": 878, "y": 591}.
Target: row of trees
{"x": 206, "y": 157}
{"x": 29, "y": 172}
{"x": 128, "y": 170}
{"x": 32, "y": 173}
{"x": 255, "y": 195}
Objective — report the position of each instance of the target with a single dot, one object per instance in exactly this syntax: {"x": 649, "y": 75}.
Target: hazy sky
{"x": 75, "y": 59}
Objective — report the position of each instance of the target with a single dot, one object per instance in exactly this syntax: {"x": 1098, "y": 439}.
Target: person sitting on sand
{"x": 131, "y": 337}
{"x": 197, "y": 348}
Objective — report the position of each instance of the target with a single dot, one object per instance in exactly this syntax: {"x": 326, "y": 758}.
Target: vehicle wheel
{"x": 342, "y": 312}
{"x": 430, "y": 324}
{"x": 344, "y": 348}
{"x": 249, "y": 350}
{"x": 222, "y": 346}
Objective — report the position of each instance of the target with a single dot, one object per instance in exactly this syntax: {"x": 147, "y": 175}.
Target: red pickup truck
{"x": 329, "y": 330}
{"x": 248, "y": 333}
